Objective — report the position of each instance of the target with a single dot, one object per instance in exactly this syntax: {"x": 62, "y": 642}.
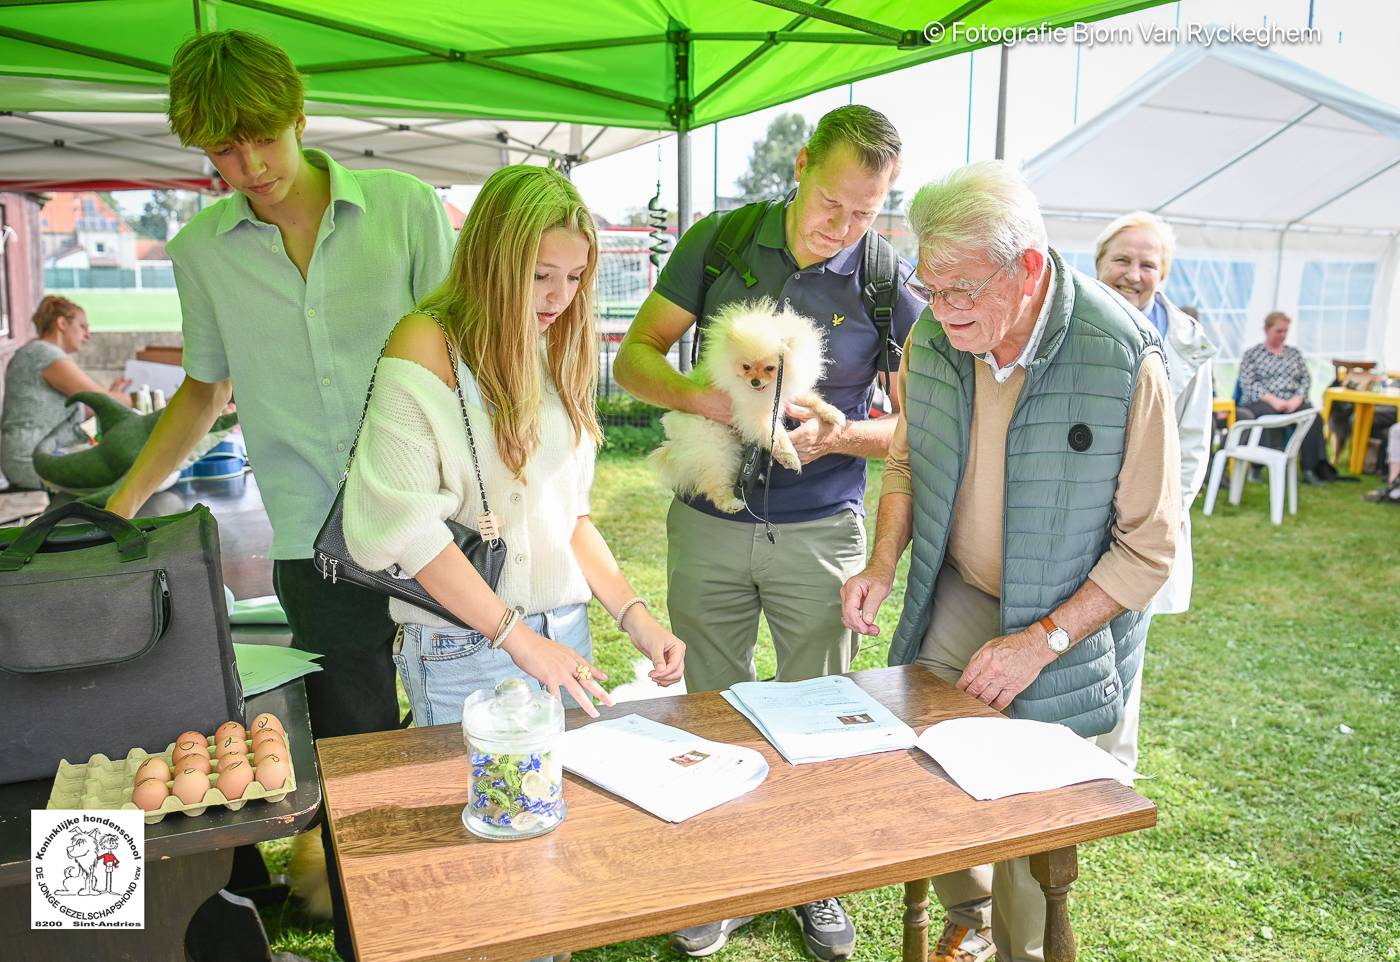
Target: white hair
{"x": 982, "y": 208}
{"x": 1166, "y": 238}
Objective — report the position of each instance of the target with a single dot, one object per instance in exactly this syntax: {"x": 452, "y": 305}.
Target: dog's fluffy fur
{"x": 739, "y": 355}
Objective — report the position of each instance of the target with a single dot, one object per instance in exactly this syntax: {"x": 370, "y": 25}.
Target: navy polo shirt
{"x": 829, "y": 292}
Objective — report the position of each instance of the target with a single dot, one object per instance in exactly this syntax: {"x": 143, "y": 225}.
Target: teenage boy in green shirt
{"x": 288, "y": 289}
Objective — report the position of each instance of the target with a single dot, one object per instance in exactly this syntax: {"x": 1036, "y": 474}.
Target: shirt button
{"x": 340, "y": 446}
{"x": 787, "y": 302}
{"x": 311, "y": 312}
{"x": 520, "y": 559}
{"x": 326, "y": 381}
{"x": 276, "y": 249}
{"x": 797, "y": 277}
{"x": 515, "y": 498}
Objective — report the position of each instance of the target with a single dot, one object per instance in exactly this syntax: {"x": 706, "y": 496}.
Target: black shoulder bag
{"x": 486, "y": 554}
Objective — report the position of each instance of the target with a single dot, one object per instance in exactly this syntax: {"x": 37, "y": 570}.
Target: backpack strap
{"x": 881, "y": 274}
{"x": 725, "y": 253}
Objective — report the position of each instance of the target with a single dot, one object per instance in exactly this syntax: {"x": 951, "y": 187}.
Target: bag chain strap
{"x": 487, "y": 522}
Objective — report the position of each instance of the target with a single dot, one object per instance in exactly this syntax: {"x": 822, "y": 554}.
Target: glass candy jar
{"x": 517, "y": 782}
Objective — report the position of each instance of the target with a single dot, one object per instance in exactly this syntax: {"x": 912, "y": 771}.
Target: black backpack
{"x": 881, "y": 273}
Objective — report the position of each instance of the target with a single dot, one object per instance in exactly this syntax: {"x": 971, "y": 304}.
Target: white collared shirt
{"x": 1024, "y": 360}
{"x": 300, "y": 350}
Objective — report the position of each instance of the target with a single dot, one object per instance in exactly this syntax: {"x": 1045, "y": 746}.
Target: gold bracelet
{"x": 622, "y": 612}
{"x": 512, "y": 617}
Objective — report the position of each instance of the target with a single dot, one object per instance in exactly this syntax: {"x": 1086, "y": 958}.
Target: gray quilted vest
{"x": 1058, "y": 499}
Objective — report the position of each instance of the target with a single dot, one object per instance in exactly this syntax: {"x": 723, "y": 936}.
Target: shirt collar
{"x": 344, "y": 187}
{"x": 772, "y": 233}
{"x": 1024, "y": 359}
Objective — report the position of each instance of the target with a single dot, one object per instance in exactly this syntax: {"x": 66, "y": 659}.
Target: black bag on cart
{"x": 113, "y": 635}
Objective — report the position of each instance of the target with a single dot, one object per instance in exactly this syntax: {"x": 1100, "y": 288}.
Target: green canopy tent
{"x": 668, "y": 65}
{"x": 657, "y": 64}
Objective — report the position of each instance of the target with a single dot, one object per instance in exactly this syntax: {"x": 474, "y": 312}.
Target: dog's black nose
{"x": 755, "y": 382}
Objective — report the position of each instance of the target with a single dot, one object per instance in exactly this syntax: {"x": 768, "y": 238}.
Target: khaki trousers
{"x": 1003, "y": 896}
{"x": 721, "y": 575}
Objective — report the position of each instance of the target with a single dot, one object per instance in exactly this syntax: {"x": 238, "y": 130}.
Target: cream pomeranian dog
{"x": 743, "y": 348}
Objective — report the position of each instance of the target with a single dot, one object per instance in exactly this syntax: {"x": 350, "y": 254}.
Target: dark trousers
{"x": 354, "y": 691}
{"x": 1313, "y": 451}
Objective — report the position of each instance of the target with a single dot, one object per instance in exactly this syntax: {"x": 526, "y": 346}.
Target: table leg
{"x": 1361, "y": 435}
{"x": 916, "y": 921}
{"x": 1055, "y": 871}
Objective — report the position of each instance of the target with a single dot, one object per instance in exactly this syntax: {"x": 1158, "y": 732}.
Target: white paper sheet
{"x": 996, "y": 757}
{"x": 669, "y": 772}
{"x": 819, "y": 719}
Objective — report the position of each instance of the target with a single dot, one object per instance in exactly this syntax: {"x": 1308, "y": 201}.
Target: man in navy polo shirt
{"x": 807, "y": 252}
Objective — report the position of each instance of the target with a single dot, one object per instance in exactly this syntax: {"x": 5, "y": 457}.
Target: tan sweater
{"x": 1147, "y": 501}
{"x": 413, "y": 470}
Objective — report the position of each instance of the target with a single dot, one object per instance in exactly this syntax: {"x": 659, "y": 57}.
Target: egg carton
{"x": 105, "y": 783}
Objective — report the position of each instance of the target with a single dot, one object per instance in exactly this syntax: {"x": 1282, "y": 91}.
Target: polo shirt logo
{"x": 837, "y": 320}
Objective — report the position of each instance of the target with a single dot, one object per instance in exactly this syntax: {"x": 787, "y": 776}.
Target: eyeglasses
{"x": 956, "y": 298}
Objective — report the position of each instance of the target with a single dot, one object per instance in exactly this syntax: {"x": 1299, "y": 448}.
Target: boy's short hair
{"x": 231, "y": 85}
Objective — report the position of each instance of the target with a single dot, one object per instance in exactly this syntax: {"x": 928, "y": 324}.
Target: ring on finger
{"x": 583, "y": 672}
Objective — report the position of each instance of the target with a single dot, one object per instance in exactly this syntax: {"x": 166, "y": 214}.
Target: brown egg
{"x": 232, "y": 744}
{"x": 267, "y": 720}
{"x": 150, "y": 793}
{"x": 192, "y": 760}
{"x": 233, "y": 778}
{"x": 268, "y": 736}
{"x": 191, "y": 742}
{"x": 272, "y": 771}
{"x": 190, "y": 786}
{"x": 229, "y": 728}
{"x": 154, "y": 766}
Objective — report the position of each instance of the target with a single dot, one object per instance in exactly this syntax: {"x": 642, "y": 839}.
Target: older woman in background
{"x": 40, "y": 379}
{"x": 1133, "y": 256}
{"x": 1274, "y": 379}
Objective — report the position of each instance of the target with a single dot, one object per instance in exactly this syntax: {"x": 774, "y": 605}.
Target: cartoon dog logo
{"x": 80, "y": 878}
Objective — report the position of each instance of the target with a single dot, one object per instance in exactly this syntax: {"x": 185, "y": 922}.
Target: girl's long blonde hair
{"x": 487, "y": 305}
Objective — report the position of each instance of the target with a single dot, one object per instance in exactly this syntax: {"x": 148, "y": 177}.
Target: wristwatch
{"x": 1055, "y": 636}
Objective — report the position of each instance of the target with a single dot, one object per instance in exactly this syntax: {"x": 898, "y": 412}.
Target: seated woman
{"x": 1274, "y": 379}
{"x": 517, "y": 304}
{"x": 38, "y": 382}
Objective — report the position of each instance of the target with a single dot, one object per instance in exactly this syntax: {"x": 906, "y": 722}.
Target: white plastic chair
{"x": 1282, "y": 464}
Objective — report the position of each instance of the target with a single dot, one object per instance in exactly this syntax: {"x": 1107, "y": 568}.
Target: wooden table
{"x": 1365, "y": 402}
{"x": 418, "y": 886}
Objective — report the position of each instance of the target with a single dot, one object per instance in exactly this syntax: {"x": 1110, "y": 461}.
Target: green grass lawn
{"x": 1278, "y": 833}
{"x": 129, "y": 310}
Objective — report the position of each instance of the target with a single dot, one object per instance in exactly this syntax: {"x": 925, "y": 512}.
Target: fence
{"x": 146, "y": 275}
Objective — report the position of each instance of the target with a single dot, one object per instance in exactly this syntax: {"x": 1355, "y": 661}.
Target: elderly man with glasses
{"x": 1035, "y": 469}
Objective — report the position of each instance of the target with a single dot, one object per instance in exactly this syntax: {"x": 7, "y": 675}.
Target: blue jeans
{"x": 440, "y": 667}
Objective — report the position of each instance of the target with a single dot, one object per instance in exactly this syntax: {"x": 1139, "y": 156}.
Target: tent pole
{"x": 1001, "y": 105}
{"x": 683, "y": 218}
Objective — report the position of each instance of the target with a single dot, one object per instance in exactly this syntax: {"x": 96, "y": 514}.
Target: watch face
{"x": 1059, "y": 640}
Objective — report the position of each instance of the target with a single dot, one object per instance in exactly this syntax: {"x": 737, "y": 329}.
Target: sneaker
{"x": 961, "y": 944}
{"x": 826, "y": 929}
{"x": 701, "y": 940}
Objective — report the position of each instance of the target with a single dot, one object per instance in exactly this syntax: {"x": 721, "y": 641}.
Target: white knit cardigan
{"x": 413, "y": 469}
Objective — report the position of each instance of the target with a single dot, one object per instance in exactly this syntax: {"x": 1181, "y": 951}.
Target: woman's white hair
{"x": 982, "y": 208}
{"x": 1160, "y": 229}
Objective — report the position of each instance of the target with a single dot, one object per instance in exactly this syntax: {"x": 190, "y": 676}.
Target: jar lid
{"x": 515, "y": 711}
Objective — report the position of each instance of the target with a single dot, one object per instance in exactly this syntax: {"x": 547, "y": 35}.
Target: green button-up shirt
{"x": 300, "y": 352}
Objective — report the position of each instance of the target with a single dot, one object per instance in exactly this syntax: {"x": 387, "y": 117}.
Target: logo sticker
{"x": 87, "y": 869}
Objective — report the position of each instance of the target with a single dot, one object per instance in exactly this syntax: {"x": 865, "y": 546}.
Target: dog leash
{"x": 769, "y": 530}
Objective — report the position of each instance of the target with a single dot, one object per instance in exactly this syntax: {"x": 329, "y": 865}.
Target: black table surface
{"x": 244, "y": 535}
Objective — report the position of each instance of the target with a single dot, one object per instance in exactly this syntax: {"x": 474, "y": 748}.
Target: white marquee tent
{"x": 1283, "y": 187}
{"x": 121, "y": 140}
